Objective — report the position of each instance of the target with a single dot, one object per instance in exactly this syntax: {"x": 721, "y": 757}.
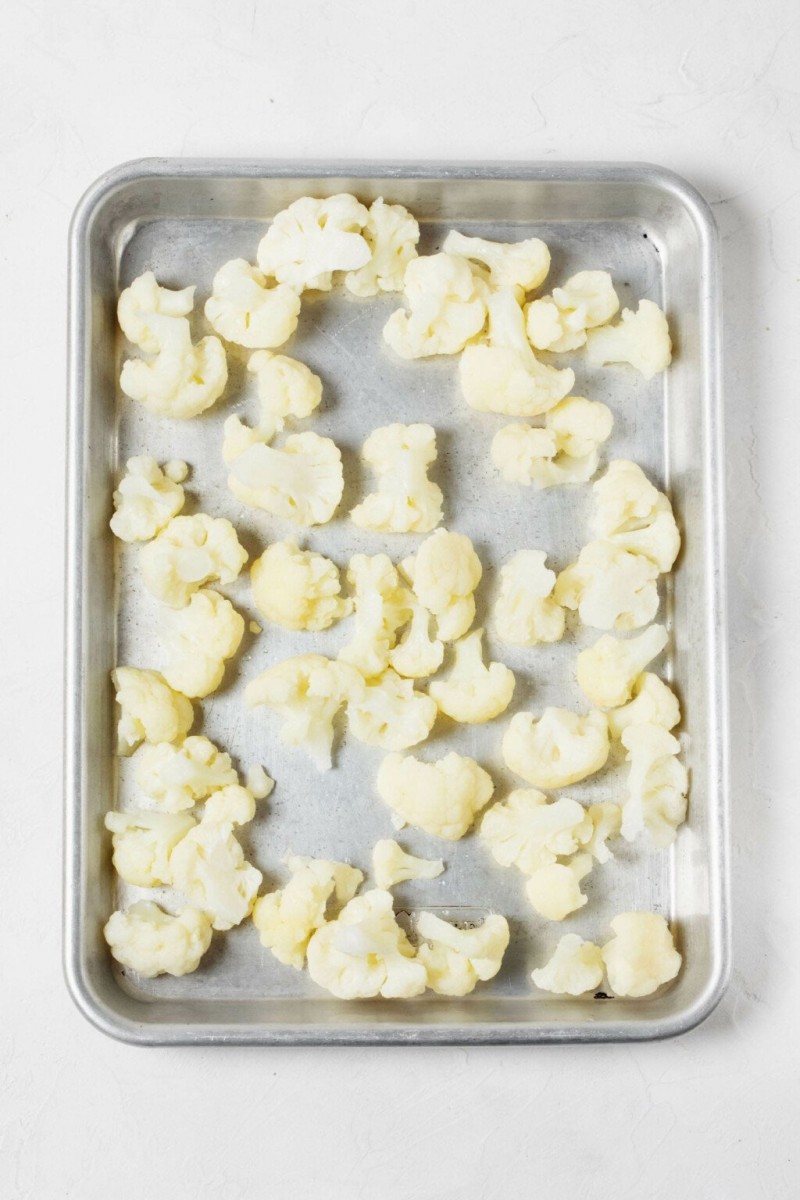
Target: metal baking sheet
{"x": 183, "y": 219}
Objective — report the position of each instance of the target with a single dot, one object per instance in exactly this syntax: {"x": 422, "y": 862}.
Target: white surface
{"x": 707, "y": 89}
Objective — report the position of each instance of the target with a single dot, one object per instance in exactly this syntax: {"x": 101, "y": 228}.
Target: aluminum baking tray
{"x": 183, "y": 219}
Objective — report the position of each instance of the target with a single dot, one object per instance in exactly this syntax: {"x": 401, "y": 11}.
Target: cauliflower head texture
{"x": 527, "y": 832}
{"x": 555, "y": 890}
{"x": 565, "y": 450}
{"x": 382, "y": 606}
{"x": 653, "y": 703}
{"x": 518, "y": 265}
{"x": 142, "y": 843}
{"x": 389, "y": 712}
{"x": 630, "y": 512}
{"x": 444, "y": 573}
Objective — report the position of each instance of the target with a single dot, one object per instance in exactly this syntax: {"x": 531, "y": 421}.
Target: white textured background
{"x": 707, "y": 88}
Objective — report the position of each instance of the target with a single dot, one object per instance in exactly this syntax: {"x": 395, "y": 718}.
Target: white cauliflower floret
{"x": 641, "y": 339}
{"x": 392, "y": 865}
{"x": 389, "y": 713}
{"x": 208, "y": 864}
{"x": 575, "y": 967}
{"x": 606, "y": 819}
{"x": 150, "y": 710}
{"x": 630, "y": 512}
{"x": 446, "y": 308}
{"x": 653, "y": 703}
{"x": 441, "y": 797}
{"x": 302, "y": 482}
{"x": 456, "y": 959}
{"x": 177, "y": 777}
{"x": 297, "y": 589}
{"x": 526, "y": 613}
{"x": 258, "y": 782}
{"x": 287, "y": 389}
{"x": 382, "y": 605}
{"x": 189, "y": 553}
{"x": 307, "y": 691}
{"x": 287, "y": 918}
{"x": 417, "y": 655}
{"x": 151, "y": 942}
{"x": 610, "y": 587}
{"x": 392, "y": 235}
{"x": 503, "y": 375}
{"x": 146, "y": 499}
{"x": 559, "y": 322}
{"x": 564, "y": 451}
{"x": 199, "y": 639}
{"x": 406, "y": 500}
{"x": 641, "y": 956}
{"x": 142, "y": 843}
{"x": 311, "y": 239}
{"x": 183, "y": 380}
{"x": 522, "y": 265}
{"x": 555, "y": 890}
{"x": 364, "y": 952}
{"x": 472, "y": 692}
{"x": 242, "y": 309}
{"x": 444, "y": 573}
{"x": 657, "y": 785}
{"x": 558, "y": 748}
{"x": 527, "y": 832}
{"x": 608, "y": 670}
{"x": 145, "y": 310}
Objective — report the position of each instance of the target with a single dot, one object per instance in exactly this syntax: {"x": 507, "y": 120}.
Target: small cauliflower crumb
{"x": 255, "y": 628}
{"x": 176, "y": 470}
{"x": 145, "y": 501}
{"x": 151, "y": 942}
{"x": 641, "y": 956}
{"x": 441, "y": 797}
{"x": 392, "y": 865}
{"x": 258, "y": 782}
{"x": 574, "y": 968}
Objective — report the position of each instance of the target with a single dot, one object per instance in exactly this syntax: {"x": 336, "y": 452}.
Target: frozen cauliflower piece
{"x": 610, "y": 588}
{"x": 653, "y": 703}
{"x": 176, "y": 777}
{"x": 150, "y": 711}
{"x": 142, "y": 843}
{"x": 391, "y": 865}
{"x": 311, "y": 239}
{"x": 641, "y": 339}
{"x": 382, "y": 606}
{"x": 606, "y": 819}
{"x": 559, "y": 322}
{"x": 208, "y": 864}
{"x": 472, "y": 692}
{"x": 456, "y": 959}
{"x": 630, "y": 512}
{"x": 189, "y": 553}
{"x": 564, "y": 451}
{"x": 145, "y": 500}
{"x": 608, "y": 670}
{"x": 441, "y": 797}
{"x": 307, "y": 691}
{"x": 444, "y": 573}
{"x": 641, "y": 956}
{"x": 555, "y": 890}
{"x": 145, "y": 310}
{"x": 527, "y": 832}
{"x": 301, "y": 482}
{"x": 558, "y": 748}
{"x": 526, "y": 613}
{"x": 183, "y": 379}
{"x": 364, "y": 952}
{"x": 258, "y": 782}
{"x": 657, "y": 785}
{"x": 522, "y": 265}
{"x": 297, "y": 589}
{"x": 287, "y": 390}
{"x": 287, "y": 918}
{"x": 392, "y": 235}
{"x": 503, "y": 375}
{"x": 406, "y": 500}
{"x": 446, "y": 308}
{"x": 389, "y": 713}
{"x": 574, "y": 968}
{"x": 242, "y": 309}
{"x": 199, "y": 640}
{"x": 151, "y": 942}
{"x": 417, "y": 655}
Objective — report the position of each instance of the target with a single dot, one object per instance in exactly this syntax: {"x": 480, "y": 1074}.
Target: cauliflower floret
{"x": 188, "y": 553}
{"x": 302, "y": 482}
{"x": 444, "y": 573}
{"x": 184, "y": 378}
{"x": 441, "y": 797}
{"x": 641, "y": 339}
{"x": 311, "y": 239}
{"x": 610, "y": 587}
{"x": 504, "y": 375}
{"x": 522, "y": 265}
{"x": 564, "y": 451}
{"x": 653, "y": 703}
{"x": 406, "y": 500}
{"x": 606, "y": 819}
{"x": 558, "y": 748}
{"x": 641, "y": 956}
{"x": 526, "y": 613}
{"x": 472, "y": 692}
{"x": 142, "y": 843}
{"x": 634, "y": 515}
{"x": 574, "y": 968}
{"x": 176, "y": 777}
{"x": 657, "y": 785}
{"x": 446, "y": 308}
{"x": 287, "y": 389}
{"x": 242, "y": 309}
{"x": 258, "y": 782}
{"x": 145, "y": 500}
{"x": 391, "y": 714}
{"x": 199, "y": 640}
{"x": 150, "y": 710}
{"x": 145, "y": 310}
{"x": 208, "y": 864}
{"x": 382, "y": 605}
{"x": 392, "y": 865}
{"x": 392, "y": 235}
{"x": 608, "y": 670}
{"x": 555, "y": 890}
{"x": 456, "y": 959}
{"x": 417, "y": 655}
{"x": 559, "y": 322}
{"x": 307, "y": 691}
{"x": 526, "y": 831}
{"x": 286, "y": 919}
{"x": 297, "y": 589}
{"x": 151, "y": 942}
{"x": 364, "y": 952}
